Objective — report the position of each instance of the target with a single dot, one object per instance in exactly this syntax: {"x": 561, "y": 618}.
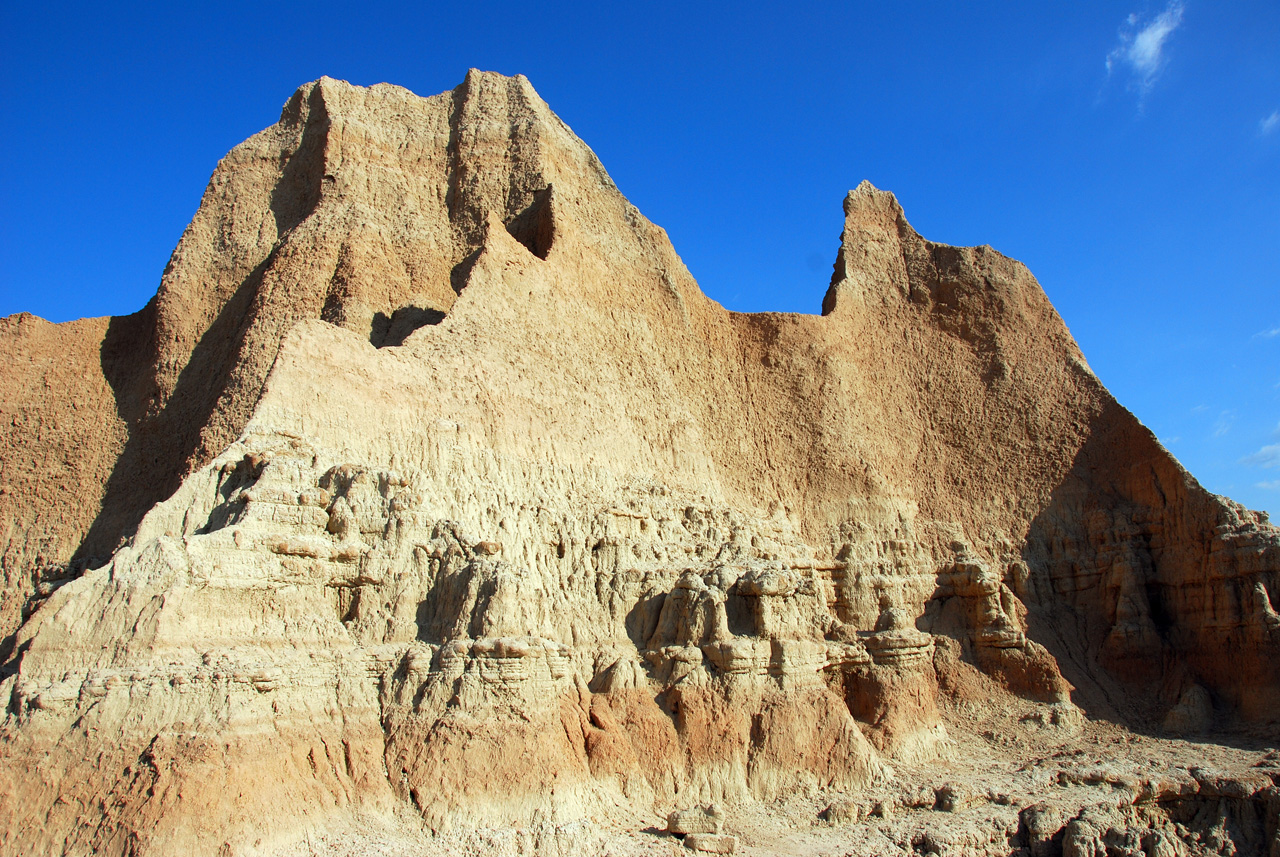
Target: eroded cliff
{"x": 430, "y": 489}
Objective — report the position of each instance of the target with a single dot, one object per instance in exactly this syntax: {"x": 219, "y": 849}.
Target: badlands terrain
{"x": 430, "y": 508}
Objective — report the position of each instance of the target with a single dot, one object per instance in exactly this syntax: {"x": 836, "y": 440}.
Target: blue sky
{"x": 1127, "y": 152}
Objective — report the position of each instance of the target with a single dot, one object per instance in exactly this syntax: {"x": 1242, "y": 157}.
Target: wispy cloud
{"x": 1268, "y": 457}
{"x": 1265, "y": 127}
{"x": 1141, "y": 47}
{"x": 1274, "y": 485}
{"x": 1226, "y": 420}
{"x": 1267, "y": 334}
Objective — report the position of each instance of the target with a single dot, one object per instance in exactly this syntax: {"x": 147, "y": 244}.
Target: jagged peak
{"x": 867, "y": 196}
{"x": 870, "y": 244}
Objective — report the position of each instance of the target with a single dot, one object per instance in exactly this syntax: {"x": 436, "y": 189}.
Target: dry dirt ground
{"x": 1012, "y": 784}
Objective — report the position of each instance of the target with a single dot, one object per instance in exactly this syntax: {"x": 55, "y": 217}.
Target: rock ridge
{"x": 430, "y": 491}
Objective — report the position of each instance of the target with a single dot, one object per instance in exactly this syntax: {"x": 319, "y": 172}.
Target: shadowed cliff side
{"x": 1152, "y": 591}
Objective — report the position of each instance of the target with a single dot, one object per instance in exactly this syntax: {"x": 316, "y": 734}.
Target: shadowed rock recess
{"x": 430, "y": 499}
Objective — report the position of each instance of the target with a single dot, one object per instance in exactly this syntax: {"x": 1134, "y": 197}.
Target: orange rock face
{"x": 429, "y": 486}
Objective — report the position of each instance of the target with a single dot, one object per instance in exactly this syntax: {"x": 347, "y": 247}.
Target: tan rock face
{"x": 463, "y": 504}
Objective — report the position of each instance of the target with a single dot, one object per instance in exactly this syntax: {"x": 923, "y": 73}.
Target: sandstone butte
{"x": 429, "y": 502}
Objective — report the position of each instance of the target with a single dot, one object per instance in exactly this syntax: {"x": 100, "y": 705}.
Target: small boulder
{"x": 1041, "y": 824}
{"x": 700, "y": 819}
{"x": 844, "y": 812}
{"x": 711, "y": 843}
{"x": 917, "y": 797}
{"x": 1082, "y": 839}
{"x": 953, "y": 797}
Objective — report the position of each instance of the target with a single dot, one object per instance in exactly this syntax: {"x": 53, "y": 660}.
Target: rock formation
{"x": 430, "y": 490}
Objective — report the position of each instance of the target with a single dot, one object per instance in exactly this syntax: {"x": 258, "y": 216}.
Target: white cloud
{"x": 1266, "y": 126}
{"x": 1225, "y": 421}
{"x": 1268, "y": 457}
{"x": 1267, "y": 334}
{"x": 1269, "y": 486}
{"x": 1141, "y": 48}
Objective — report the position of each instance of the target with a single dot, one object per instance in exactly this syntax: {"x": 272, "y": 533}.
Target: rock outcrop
{"x": 430, "y": 487}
